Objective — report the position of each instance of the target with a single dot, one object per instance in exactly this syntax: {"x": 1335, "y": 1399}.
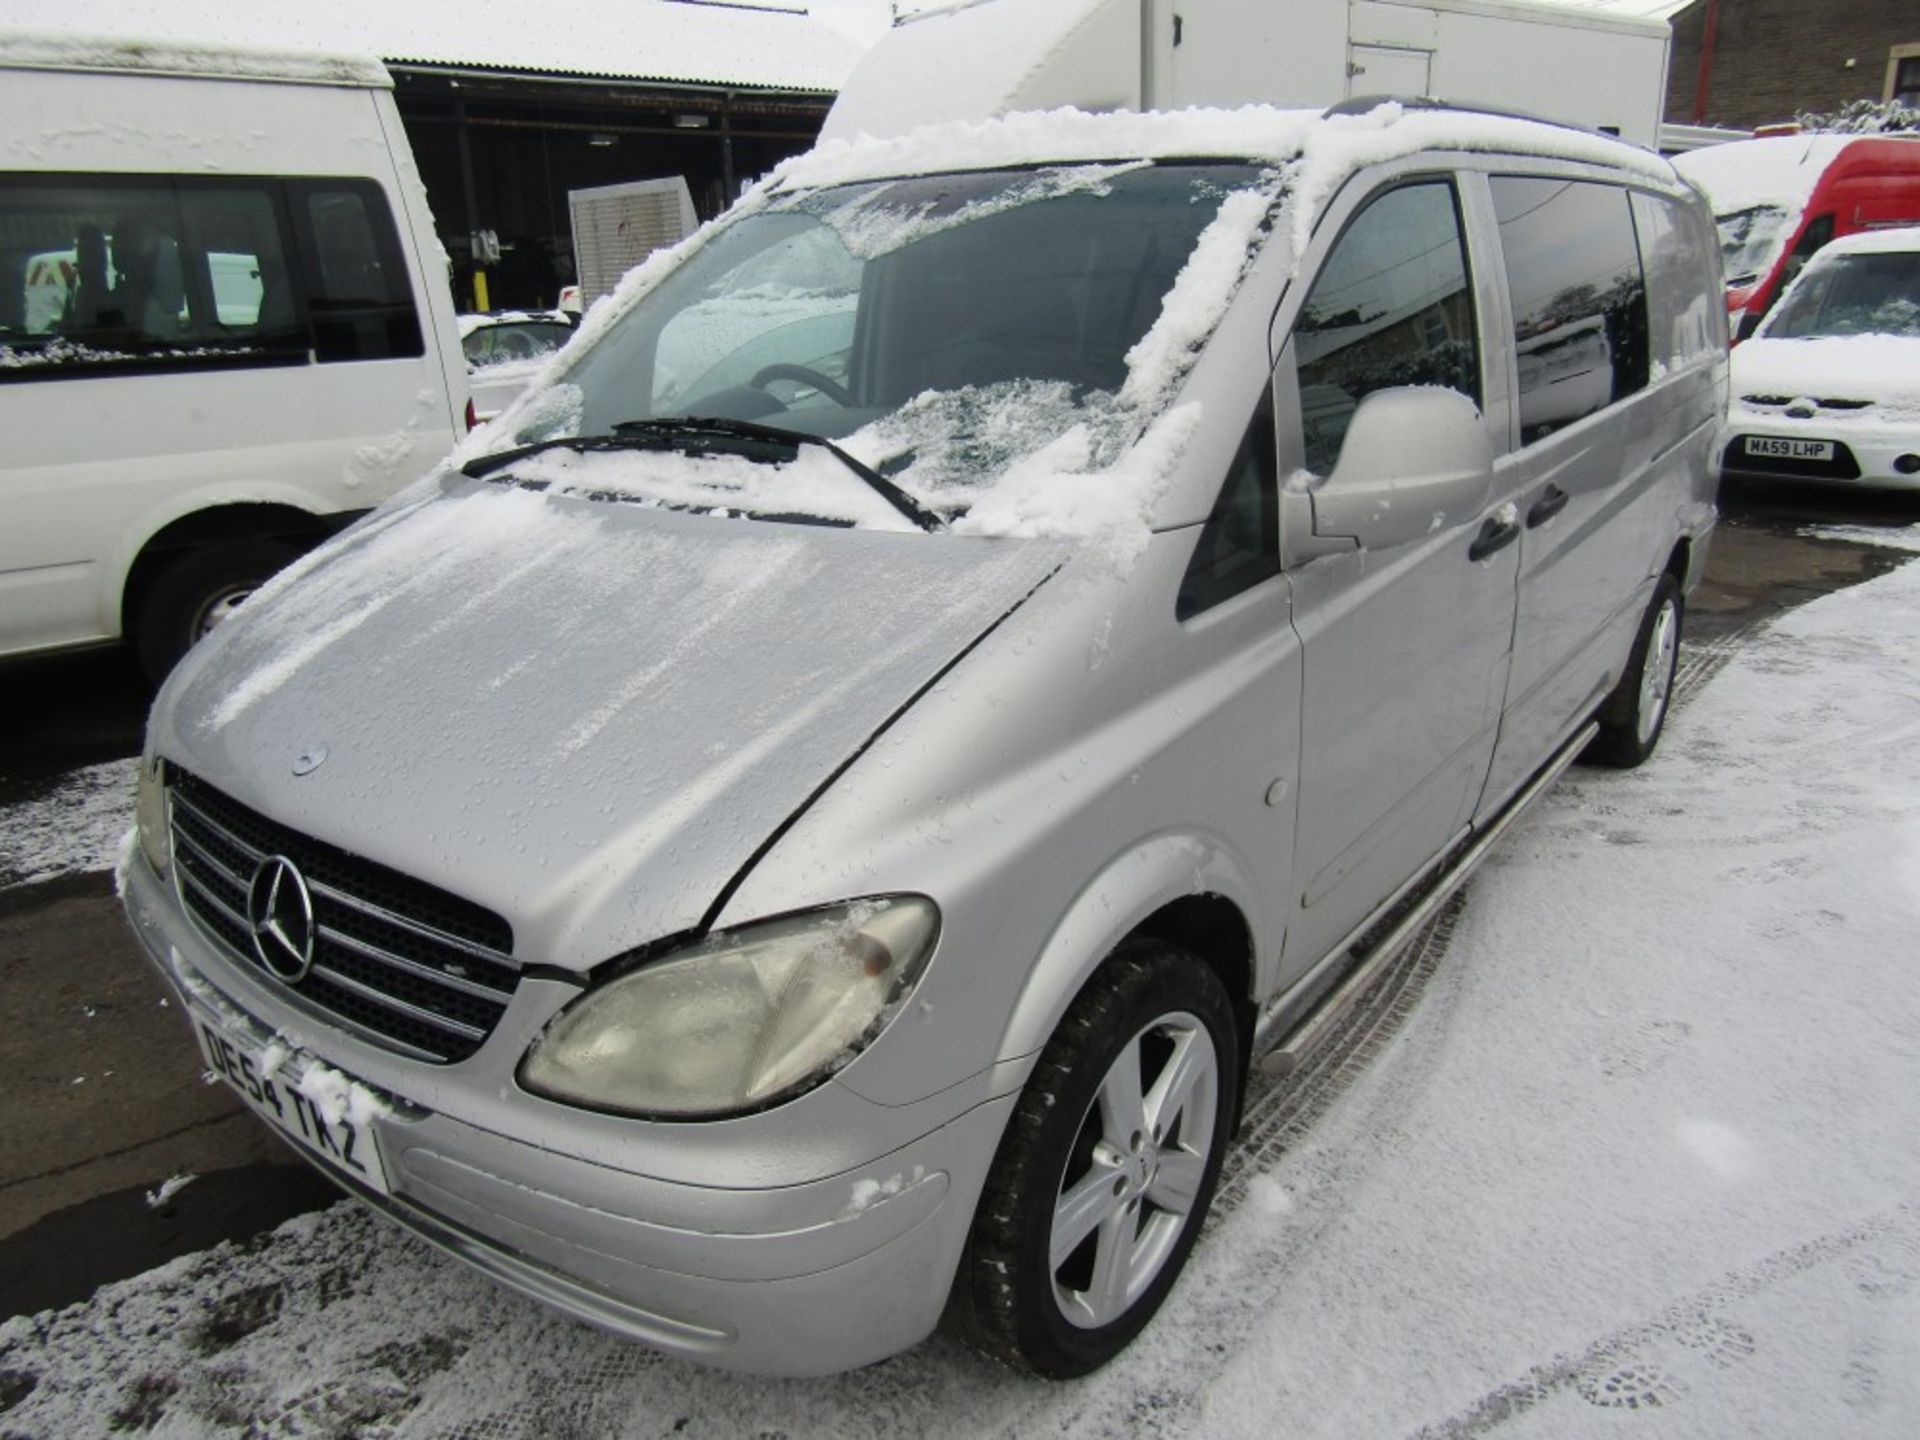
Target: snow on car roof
{"x": 1872, "y": 242}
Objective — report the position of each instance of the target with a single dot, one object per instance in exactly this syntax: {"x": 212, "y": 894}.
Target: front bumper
{"x": 806, "y": 1276}
{"x": 1864, "y": 456}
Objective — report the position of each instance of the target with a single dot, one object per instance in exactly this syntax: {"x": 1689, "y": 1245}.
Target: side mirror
{"x": 1415, "y": 459}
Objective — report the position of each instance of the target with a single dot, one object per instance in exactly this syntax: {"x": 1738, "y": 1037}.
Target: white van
{"x": 225, "y": 329}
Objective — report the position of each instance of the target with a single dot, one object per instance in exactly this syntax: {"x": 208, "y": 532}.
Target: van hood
{"x": 585, "y": 715}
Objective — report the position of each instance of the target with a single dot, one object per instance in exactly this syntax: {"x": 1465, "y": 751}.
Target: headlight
{"x": 150, "y": 816}
{"x": 747, "y": 1018}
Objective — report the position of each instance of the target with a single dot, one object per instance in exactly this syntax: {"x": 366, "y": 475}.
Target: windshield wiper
{"x": 697, "y": 426}
{"x": 697, "y": 434}
{"x": 484, "y": 465}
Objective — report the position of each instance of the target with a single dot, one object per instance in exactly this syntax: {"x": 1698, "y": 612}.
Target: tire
{"x": 1633, "y": 716}
{"x": 1082, "y": 1162}
{"x": 195, "y": 592}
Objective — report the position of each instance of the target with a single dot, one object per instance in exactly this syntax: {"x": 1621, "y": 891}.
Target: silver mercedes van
{"x": 806, "y": 823}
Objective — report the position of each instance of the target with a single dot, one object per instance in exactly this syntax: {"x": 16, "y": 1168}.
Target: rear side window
{"x": 117, "y": 274}
{"x": 356, "y": 279}
{"x": 1391, "y": 306}
{"x": 1579, "y": 298}
{"x": 1685, "y": 312}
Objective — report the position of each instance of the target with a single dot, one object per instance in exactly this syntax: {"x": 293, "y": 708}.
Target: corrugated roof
{"x": 768, "y": 44}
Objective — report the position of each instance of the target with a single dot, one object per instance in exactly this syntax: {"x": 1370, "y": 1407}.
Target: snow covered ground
{"x": 1629, "y": 1153}
{"x": 76, "y": 826}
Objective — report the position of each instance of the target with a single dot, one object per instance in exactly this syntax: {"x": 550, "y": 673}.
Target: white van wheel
{"x": 1107, "y": 1167}
{"x": 1636, "y": 712}
{"x": 196, "y": 593}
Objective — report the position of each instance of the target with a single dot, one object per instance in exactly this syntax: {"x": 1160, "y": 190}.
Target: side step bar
{"x": 1367, "y": 964}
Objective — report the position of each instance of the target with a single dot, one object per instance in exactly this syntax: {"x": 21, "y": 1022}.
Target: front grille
{"x": 1781, "y": 402}
{"x": 402, "y": 962}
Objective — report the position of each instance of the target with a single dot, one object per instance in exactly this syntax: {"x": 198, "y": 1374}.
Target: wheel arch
{"x": 1680, "y": 562}
{"x": 1182, "y": 889}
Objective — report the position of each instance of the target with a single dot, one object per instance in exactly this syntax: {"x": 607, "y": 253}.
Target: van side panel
{"x": 99, "y": 462}
{"x": 1624, "y": 484}
{"x": 1405, "y": 650}
{"x": 431, "y": 270}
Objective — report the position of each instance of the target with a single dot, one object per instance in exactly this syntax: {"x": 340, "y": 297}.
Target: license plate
{"x": 341, "y": 1144}
{"x": 1780, "y": 448}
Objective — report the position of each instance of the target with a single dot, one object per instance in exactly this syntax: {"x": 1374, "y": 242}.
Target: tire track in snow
{"x": 1701, "y": 660}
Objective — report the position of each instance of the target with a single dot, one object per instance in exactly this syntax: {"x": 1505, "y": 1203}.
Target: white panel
{"x": 1585, "y": 75}
{"x": 615, "y": 227}
{"x": 1379, "y": 70}
{"x": 1238, "y": 52}
{"x": 1386, "y": 22}
{"x": 991, "y": 57}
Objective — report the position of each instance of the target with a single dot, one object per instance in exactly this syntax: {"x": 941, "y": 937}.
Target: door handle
{"x": 1547, "y": 506}
{"x": 1494, "y": 535}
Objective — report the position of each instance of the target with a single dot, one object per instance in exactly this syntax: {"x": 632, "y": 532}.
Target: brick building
{"x": 1768, "y": 60}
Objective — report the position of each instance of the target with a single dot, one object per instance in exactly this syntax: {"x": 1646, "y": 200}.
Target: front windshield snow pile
{"x": 978, "y": 342}
{"x": 1867, "y": 294}
{"x": 1750, "y": 242}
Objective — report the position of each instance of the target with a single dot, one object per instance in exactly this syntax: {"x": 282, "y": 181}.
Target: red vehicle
{"x": 1777, "y": 200}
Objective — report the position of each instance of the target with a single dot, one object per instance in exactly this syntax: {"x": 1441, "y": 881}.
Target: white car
{"x": 1828, "y": 389}
{"x": 505, "y": 350}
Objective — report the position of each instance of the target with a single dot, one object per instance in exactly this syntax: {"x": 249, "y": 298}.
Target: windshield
{"x": 940, "y": 328}
{"x": 1750, "y": 242}
{"x": 1871, "y": 294}
{"x": 514, "y": 341}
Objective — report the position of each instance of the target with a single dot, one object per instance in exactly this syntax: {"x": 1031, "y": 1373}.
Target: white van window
{"x": 356, "y": 280}
{"x": 1391, "y": 306}
{"x": 1579, "y": 298}
{"x": 107, "y": 274}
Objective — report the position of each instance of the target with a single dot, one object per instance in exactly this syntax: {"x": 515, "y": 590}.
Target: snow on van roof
{"x": 1775, "y": 170}
{"x": 1323, "y": 149}
{"x": 71, "y": 50}
{"x": 767, "y": 44}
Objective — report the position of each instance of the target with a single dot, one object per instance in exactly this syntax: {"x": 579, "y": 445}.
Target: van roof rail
{"x": 1361, "y": 104}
